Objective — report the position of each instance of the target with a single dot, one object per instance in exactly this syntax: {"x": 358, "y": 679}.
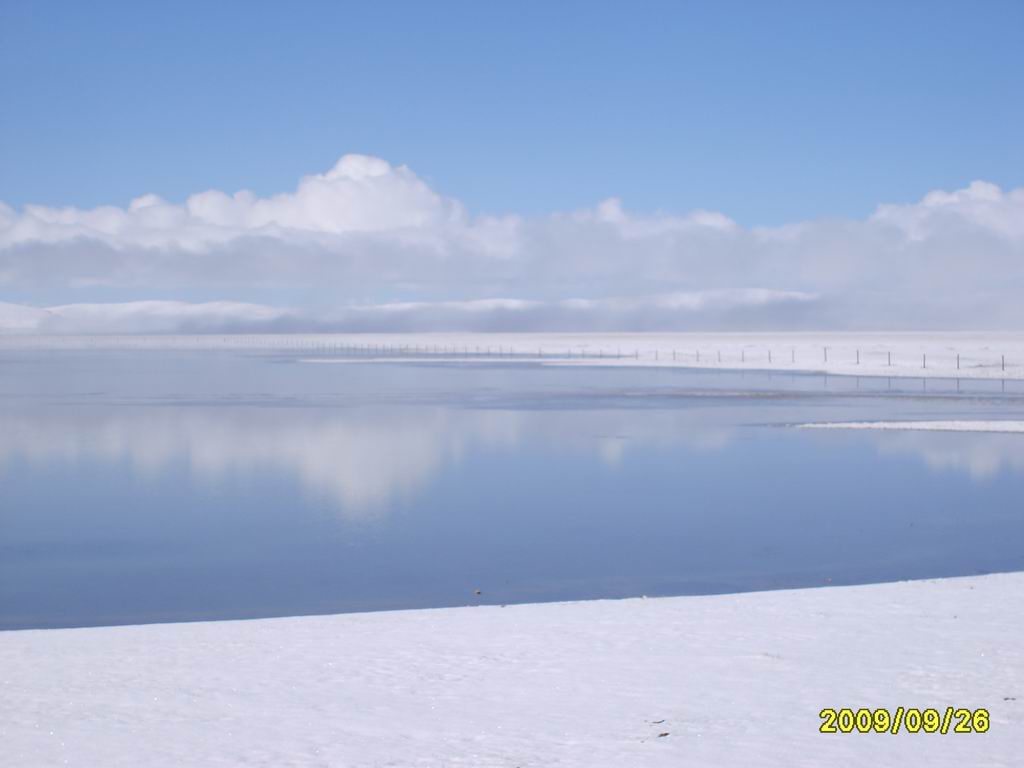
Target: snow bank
{"x": 918, "y": 355}
{"x": 733, "y": 680}
{"x": 924, "y": 426}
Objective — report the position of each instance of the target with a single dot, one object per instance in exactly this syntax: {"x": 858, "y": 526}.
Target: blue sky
{"x": 528, "y": 165}
{"x": 767, "y": 112}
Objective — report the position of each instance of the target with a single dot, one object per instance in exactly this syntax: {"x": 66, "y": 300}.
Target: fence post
{"x": 826, "y": 354}
{"x": 858, "y": 357}
{"x": 924, "y": 360}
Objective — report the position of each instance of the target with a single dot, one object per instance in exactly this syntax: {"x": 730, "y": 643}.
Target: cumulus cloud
{"x": 981, "y": 207}
{"x": 369, "y": 245}
{"x": 359, "y": 194}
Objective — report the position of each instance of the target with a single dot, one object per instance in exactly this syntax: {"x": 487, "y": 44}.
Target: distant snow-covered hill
{"x": 18, "y": 317}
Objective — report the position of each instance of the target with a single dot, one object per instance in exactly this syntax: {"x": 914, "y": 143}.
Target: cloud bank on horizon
{"x": 371, "y": 246}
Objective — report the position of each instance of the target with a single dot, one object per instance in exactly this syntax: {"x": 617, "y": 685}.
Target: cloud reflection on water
{"x": 980, "y": 455}
{"x": 363, "y": 460}
{"x": 360, "y": 459}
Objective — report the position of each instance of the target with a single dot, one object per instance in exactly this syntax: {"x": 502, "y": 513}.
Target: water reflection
{"x": 167, "y": 496}
{"x": 362, "y": 459}
{"x": 981, "y": 456}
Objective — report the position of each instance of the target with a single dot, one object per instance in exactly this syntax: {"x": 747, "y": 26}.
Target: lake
{"x": 149, "y": 486}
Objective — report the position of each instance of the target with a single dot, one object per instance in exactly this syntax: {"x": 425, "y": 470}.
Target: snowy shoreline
{"x": 1001, "y": 427}
{"x": 952, "y": 355}
{"x": 731, "y": 679}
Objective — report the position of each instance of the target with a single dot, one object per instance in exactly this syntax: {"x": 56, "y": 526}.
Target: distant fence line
{"x": 748, "y": 355}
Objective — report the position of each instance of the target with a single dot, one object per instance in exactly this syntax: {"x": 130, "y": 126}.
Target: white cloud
{"x": 158, "y": 316}
{"x": 981, "y": 206}
{"x": 635, "y": 313}
{"x": 359, "y": 194}
{"x": 368, "y": 242}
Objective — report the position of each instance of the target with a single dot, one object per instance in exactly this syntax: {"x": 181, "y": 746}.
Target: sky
{"x": 673, "y": 164}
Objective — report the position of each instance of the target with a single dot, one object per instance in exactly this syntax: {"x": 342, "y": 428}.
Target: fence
{"x": 900, "y": 360}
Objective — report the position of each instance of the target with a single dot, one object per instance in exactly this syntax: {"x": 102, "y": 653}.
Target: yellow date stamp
{"x": 906, "y": 719}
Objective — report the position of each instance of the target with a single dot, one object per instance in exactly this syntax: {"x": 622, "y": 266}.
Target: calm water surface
{"x": 139, "y": 486}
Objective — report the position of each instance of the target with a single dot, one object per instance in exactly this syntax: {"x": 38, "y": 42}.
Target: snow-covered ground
{"x": 930, "y": 355}
{"x": 731, "y": 680}
{"x": 924, "y": 426}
